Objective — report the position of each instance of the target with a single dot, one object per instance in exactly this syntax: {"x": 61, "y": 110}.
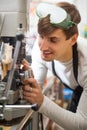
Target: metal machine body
{"x": 13, "y": 24}
{"x": 10, "y": 94}
{"x": 12, "y": 13}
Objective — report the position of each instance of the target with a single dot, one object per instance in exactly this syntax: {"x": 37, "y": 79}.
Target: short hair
{"x": 45, "y": 27}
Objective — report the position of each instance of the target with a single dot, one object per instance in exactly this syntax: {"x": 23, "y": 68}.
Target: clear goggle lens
{"x": 58, "y": 16}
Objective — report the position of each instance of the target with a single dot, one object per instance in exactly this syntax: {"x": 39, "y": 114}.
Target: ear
{"x": 74, "y": 39}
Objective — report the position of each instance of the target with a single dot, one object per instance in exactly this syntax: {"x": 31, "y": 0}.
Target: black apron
{"x": 78, "y": 90}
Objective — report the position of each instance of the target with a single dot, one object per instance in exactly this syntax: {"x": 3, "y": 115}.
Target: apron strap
{"x": 78, "y": 91}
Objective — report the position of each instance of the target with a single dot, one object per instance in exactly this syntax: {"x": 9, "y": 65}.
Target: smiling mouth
{"x": 46, "y": 52}
{"x": 46, "y": 55}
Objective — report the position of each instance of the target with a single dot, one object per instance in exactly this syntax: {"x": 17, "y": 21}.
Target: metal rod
{"x": 18, "y": 106}
{"x": 9, "y": 82}
{"x": 25, "y": 119}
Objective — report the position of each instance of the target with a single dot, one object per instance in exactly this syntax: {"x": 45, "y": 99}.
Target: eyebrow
{"x": 54, "y": 37}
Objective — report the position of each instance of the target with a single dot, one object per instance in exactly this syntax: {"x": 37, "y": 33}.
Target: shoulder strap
{"x": 54, "y": 72}
{"x": 78, "y": 91}
{"x": 75, "y": 64}
{"x": 75, "y": 61}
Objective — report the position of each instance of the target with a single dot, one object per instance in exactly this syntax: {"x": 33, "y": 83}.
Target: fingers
{"x": 30, "y": 89}
{"x": 31, "y": 81}
{"x": 24, "y": 61}
{"x": 32, "y": 92}
{"x": 25, "y": 64}
{"x": 30, "y": 99}
{"x": 29, "y": 96}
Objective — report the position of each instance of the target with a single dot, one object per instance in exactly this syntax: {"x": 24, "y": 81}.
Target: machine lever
{"x": 33, "y": 106}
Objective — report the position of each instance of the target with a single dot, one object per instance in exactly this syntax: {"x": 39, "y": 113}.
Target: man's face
{"x": 55, "y": 46}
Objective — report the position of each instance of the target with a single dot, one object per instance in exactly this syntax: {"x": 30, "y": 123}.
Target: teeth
{"x": 46, "y": 52}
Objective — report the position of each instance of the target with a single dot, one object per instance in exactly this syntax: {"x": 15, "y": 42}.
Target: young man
{"x": 59, "y": 44}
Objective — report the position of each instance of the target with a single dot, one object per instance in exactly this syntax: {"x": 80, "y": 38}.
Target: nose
{"x": 43, "y": 44}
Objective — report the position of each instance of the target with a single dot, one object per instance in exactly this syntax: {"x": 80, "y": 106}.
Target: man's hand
{"x": 32, "y": 92}
{"x": 31, "y": 89}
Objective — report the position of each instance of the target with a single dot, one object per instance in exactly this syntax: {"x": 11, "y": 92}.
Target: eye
{"x": 53, "y": 39}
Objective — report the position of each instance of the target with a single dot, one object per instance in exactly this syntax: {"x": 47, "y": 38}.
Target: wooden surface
{"x": 5, "y": 127}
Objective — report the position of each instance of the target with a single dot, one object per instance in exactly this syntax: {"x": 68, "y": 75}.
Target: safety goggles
{"x": 58, "y": 16}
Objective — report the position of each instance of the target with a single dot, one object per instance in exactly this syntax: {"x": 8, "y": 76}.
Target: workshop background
{"x": 53, "y": 87}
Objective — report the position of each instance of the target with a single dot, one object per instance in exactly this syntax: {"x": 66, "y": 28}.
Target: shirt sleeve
{"x": 67, "y": 119}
